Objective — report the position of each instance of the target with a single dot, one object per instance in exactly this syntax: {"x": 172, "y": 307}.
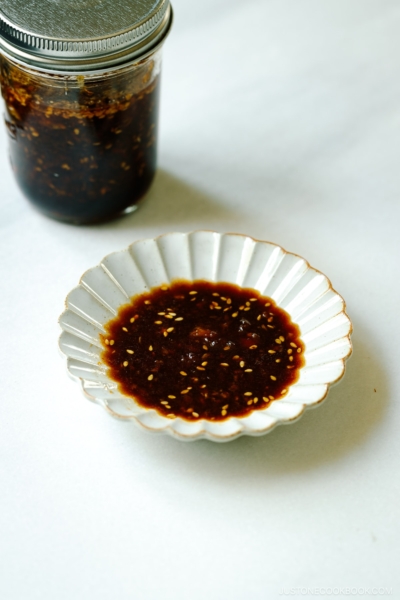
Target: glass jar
{"x": 83, "y": 137}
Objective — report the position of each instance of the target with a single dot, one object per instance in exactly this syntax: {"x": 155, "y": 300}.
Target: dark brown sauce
{"x": 82, "y": 152}
{"x": 203, "y": 350}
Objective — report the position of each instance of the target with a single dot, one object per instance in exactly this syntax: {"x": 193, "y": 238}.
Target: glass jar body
{"x": 83, "y": 147}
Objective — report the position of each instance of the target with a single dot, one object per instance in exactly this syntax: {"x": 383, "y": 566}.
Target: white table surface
{"x": 280, "y": 119}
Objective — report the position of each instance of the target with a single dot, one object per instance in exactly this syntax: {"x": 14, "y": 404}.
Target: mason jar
{"x": 81, "y": 82}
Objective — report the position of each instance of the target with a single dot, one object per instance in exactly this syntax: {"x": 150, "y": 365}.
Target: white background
{"x": 280, "y": 119}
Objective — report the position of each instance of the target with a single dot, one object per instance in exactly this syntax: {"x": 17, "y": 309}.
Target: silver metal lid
{"x": 81, "y": 35}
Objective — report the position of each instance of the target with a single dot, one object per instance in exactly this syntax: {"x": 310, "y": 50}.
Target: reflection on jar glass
{"x": 83, "y": 145}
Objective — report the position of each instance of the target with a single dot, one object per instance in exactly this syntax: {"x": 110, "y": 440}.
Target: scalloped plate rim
{"x": 204, "y": 433}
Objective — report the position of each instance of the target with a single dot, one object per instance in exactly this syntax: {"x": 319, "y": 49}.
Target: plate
{"x": 303, "y": 292}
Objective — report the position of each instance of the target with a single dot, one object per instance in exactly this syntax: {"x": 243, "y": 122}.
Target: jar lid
{"x": 81, "y": 35}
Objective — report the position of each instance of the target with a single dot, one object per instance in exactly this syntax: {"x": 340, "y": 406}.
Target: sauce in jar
{"x": 81, "y": 83}
{"x": 83, "y": 150}
{"x": 201, "y": 350}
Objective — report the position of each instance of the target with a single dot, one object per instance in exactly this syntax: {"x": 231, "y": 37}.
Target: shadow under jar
{"x": 83, "y": 128}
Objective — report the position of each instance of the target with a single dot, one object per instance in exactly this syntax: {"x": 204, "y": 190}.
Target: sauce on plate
{"x": 202, "y": 350}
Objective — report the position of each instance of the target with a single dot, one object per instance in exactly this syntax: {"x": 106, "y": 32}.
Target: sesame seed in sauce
{"x": 201, "y": 336}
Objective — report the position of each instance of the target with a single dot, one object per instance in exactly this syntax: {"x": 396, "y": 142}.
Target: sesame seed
{"x": 273, "y": 377}
{"x": 247, "y": 303}
{"x": 235, "y": 314}
{"x": 249, "y": 402}
{"x": 227, "y": 348}
{"x": 268, "y": 304}
{"x": 248, "y": 394}
{"x": 112, "y": 342}
{"x": 147, "y": 302}
{"x": 172, "y": 397}
{"x": 158, "y": 322}
{"x": 205, "y": 348}
{"x": 170, "y": 316}
{"x": 225, "y": 407}
{"x": 293, "y": 345}
{"x": 130, "y": 351}
{"x": 259, "y": 317}
{"x": 236, "y": 357}
{"x": 270, "y": 319}
{"x": 161, "y": 314}
{"x": 271, "y": 397}
{"x": 248, "y": 308}
{"x": 223, "y": 298}
{"x": 241, "y": 307}
{"x": 265, "y": 399}
{"x": 248, "y": 370}
{"x": 170, "y": 329}
{"x": 124, "y": 329}
{"x": 165, "y": 333}
{"x": 126, "y": 363}
{"x": 298, "y": 350}
{"x": 278, "y": 341}
{"x": 255, "y": 400}
{"x": 271, "y": 351}
{"x": 284, "y": 391}
{"x": 192, "y": 293}
{"x": 253, "y": 299}
{"x": 278, "y": 360}
{"x": 204, "y": 386}
{"x": 291, "y": 358}
{"x": 170, "y": 416}
{"x": 163, "y": 402}
{"x": 183, "y": 373}
{"x": 200, "y": 369}
{"x": 224, "y": 413}
{"x": 150, "y": 377}
{"x": 195, "y": 414}
{"x": 290, "y": 351}
{"x": 132, "y": 320}
{"x": 281, "y": 338}
{"x": 253, "y": 347}
{"x": 107, "y": 342}
{"x": 179, "y": 319}
{"x": 270, "y": 326}
{"x": 224, "y": 365}
{"x": 204, "y": 364}
{"x": 185, "y": 391}
{"x": 229, "y": 301}
{"x": 164, "y": 288}
{"x": 151, "y": 348}
{"x": 215, "y": 294}
{"x": 242, "y": 363}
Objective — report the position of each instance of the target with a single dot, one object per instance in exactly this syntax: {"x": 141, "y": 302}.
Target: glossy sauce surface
{"x": 203, "y": 350}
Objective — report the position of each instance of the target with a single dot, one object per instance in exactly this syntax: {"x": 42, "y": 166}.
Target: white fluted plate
{"x": 306, "y": 294}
